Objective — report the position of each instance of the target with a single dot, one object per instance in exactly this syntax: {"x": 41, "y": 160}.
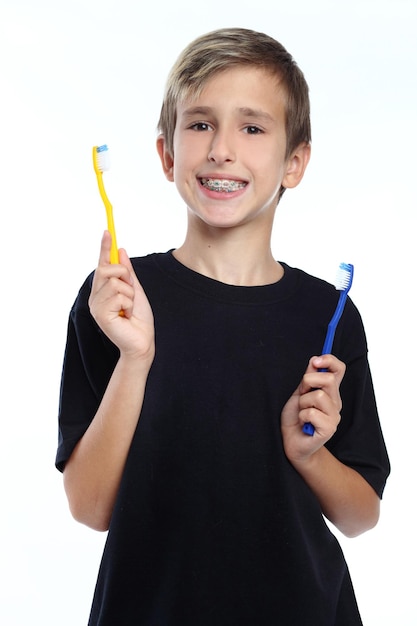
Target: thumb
{"x": 124, "y": 259}
{"x": 140, "y": 300}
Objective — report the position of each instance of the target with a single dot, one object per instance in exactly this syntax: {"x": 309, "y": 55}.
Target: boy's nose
{"x": 221, "y": 149}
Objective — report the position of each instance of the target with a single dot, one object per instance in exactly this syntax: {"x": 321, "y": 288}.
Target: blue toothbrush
{"x": 343, "y": 284}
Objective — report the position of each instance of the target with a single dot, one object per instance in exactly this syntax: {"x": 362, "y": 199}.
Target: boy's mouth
{"x": 223, "y": 185}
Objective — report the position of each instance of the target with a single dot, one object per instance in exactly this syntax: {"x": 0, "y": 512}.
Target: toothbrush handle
{"x": 331, "y": 329}
{"x": 308, "y": 428}
{"x": 114, "y": 253}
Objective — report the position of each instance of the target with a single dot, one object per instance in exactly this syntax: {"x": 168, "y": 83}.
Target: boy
{"x": 181, "y": 421}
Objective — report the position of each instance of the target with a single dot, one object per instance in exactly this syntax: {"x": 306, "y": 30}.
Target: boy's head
{"x": 223, "y": 49}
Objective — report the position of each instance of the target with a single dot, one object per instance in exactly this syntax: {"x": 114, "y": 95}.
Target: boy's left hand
{"x": 316, "y": 400}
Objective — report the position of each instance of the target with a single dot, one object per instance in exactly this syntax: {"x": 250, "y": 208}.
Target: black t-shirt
{"x": 212, "y": 525}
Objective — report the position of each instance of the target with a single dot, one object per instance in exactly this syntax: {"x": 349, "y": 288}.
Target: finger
{"x": 319, "y": 380}
{"x": 104, "y": 258}
{"x": 114, "y": 295}
{"x": 321, "y": 400}
{"x": 126, "y": 262}
{"x": 329, "y": 363}
{"x": 325, "y": 382}
{"x": 321, "y": 409}
{"x": 110, "y": 280}
{"x": 324, "y": 425}
{"x": 141, "y": 308}
{"x": 319, "y": 365}
{"x": 106, "y": 269}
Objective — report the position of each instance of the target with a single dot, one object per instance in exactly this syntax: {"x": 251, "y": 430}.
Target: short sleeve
{"x": 89, "y": 360}
{"x": 359, "y": 442}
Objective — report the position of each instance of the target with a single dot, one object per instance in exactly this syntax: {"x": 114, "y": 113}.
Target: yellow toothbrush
{"x": 101, "y": 163}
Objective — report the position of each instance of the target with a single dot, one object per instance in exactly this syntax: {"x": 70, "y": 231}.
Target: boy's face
{"x": 229, "y": 150}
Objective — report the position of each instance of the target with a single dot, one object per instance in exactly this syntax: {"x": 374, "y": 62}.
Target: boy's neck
{"x": 229, "y": 258}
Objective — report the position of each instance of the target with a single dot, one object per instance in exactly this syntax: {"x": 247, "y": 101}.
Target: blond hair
{"x": 221, "y": 49}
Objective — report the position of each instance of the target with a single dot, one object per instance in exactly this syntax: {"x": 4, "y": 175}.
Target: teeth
{"x": 221, "y": 184}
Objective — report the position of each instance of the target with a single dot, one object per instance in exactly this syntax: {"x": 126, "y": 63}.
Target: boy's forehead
{"x": 247, "y": 75}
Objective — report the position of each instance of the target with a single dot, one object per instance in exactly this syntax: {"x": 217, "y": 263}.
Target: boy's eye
{"x": 253, "y": 130}
{"x": 200, "y": 126}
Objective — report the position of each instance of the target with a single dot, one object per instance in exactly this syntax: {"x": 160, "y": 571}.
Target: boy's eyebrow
{"x": 197, "y": 110}
{"x": 246, "y": 111}
{"x": 256, "y": 113}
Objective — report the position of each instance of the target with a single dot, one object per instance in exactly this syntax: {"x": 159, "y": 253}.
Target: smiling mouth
{"x": 222, "y": 185}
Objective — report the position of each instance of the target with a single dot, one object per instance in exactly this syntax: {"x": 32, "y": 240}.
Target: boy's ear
{"x": 296, "y": 165}
{"x": 166, "y": 158}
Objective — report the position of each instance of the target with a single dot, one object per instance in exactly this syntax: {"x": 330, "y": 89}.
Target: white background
{"x": 85, "y": 72}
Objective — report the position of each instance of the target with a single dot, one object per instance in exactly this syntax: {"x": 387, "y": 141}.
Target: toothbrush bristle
{"x": 103, "y": 158}
{"x": 344, "y": 277}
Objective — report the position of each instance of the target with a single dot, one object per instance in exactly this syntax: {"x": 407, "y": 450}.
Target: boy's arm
{"x": 93, "y": 472}
{"x": 346, "y": 498}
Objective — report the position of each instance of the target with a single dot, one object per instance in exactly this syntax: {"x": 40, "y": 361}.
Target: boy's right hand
{"x": 116, "y": 288}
